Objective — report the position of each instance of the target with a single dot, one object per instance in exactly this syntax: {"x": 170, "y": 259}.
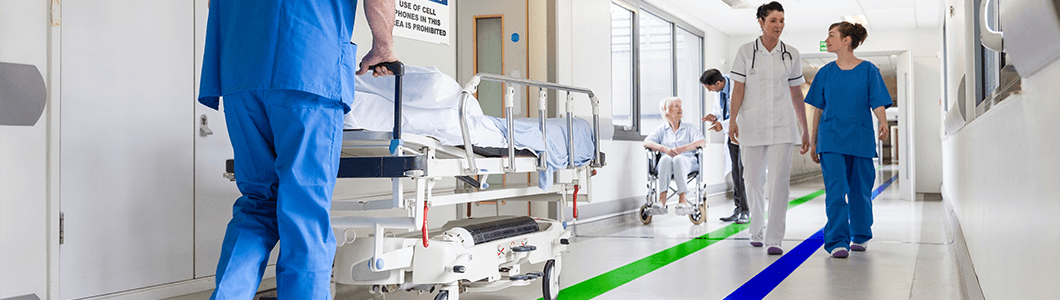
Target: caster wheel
{"x": 699, "y": 214}
{"x": 550, "y": 284}
{"x": 645, "y": 214}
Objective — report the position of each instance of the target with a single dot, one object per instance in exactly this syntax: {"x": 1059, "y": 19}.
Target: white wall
{"x": 23, "y": 161}
{"x": 1001, "y": 173}
{"x": 927, "y": 146}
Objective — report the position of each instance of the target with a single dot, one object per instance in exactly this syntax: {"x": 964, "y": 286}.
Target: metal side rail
{"x": 472, "y": 86}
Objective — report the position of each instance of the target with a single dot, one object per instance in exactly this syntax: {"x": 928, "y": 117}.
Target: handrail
{"x": 528, "y": 82}
{"x": 472, "y": 86}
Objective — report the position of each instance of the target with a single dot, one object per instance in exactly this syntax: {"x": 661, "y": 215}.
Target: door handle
{"x": 991, "y": 39}
{"x": 204, "y": 128}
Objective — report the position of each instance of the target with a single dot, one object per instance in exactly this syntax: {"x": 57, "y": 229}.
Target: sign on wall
{"x": 423, "y": 20}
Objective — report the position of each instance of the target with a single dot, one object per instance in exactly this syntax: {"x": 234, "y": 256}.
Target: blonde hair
{"x": 664, "y": 105}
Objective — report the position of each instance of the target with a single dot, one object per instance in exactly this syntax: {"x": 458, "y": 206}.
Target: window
{"x": 990, "y": 61}
{"x": 654, "y": 56}
{"x": 689, "y": 67}
{"x": 622, "y": 66}
{"x": 656, "y": 63}
{"x": 945, "y": 70}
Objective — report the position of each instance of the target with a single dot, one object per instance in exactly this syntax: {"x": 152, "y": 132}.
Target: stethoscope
{"x": 783, "y": 51}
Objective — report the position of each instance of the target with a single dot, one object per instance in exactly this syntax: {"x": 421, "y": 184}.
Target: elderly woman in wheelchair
{"x": 673, "y": 153}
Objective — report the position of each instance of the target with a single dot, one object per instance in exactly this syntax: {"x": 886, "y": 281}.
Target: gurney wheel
{"x": 550, "y": 284}
{"x": 697, "y": 216}
{"x": 442, "y": 295}
{"x": 645, "y": 214}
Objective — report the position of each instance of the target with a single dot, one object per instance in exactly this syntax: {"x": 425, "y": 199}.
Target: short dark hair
{"x": 711, "y": 76}
{"x": 856, "y": 32}
{"x": 765, "y": 9}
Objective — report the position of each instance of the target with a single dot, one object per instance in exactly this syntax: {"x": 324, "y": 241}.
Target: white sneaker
{"x": 659, "y": 209}
{"x": 683, "y": 209}
{"x": 858, "y": 247}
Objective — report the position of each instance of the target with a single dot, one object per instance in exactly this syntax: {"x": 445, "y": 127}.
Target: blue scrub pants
{"x": 848, "y": 183}
{"x": 286, "y": 146}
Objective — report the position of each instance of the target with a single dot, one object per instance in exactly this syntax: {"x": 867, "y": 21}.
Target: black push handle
{"x": 398, "y": 69}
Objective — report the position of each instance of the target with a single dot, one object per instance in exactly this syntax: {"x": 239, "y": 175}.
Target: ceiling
{"x": 810, "y": 16}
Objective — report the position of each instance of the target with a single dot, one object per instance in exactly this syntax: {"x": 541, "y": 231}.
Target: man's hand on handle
{"x": 375, "y": 57}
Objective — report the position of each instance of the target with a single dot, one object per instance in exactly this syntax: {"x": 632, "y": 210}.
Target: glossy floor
{"x": 911, "y": 256}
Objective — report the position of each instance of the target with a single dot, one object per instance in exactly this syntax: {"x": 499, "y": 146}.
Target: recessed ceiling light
{"x": 737, "y": 4}
{"x": 858, "y": 19}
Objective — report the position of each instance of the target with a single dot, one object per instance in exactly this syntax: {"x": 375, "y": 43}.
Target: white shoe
{"x": 683, "y": 209}
{"x": 659, "y": 209}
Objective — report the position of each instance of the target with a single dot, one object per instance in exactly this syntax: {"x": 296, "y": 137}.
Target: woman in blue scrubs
{"x": 845, "y": 93}
{"x": 285, "y": 71}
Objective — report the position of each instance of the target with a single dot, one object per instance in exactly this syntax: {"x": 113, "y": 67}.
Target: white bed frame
{"x": 427, "y": 260}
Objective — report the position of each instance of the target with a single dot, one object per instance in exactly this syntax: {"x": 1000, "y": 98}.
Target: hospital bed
{"x": 464, "y": 255}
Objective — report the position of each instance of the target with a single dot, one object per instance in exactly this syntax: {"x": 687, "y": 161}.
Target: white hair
{"x": 664, "y": 105}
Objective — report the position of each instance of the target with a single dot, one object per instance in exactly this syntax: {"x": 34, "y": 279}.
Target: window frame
{"x": 633, "y": 132}
{"x": 984, "y": 91}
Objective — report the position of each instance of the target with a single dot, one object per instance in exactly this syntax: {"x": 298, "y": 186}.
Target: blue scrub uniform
{"x": 846, "y": 143}
{"x": 285, "y": 70}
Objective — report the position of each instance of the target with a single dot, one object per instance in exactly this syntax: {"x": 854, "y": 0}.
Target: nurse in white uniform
{"x": 768, "y": 109}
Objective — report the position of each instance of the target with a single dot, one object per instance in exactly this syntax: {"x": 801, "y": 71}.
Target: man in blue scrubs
{"x": 285, "y": 70}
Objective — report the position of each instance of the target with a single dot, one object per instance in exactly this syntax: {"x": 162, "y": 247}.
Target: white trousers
{"x": 756, "y": 159}
{"x": 678, "y": 167}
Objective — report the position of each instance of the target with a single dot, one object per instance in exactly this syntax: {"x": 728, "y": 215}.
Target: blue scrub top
{"x": 847, "y": 98}
{"x": 274, "y": 44}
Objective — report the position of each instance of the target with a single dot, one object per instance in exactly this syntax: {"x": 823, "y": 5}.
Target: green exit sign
{"x": 824, "y": 47}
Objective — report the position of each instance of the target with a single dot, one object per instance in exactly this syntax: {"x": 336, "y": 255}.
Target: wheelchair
{"x": 695, "y": 185}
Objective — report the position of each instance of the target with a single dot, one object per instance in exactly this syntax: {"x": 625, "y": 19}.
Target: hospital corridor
{"x": 529, "y": 149}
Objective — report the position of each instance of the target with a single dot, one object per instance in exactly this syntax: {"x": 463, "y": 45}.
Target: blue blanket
{"x": 528, "y": 135}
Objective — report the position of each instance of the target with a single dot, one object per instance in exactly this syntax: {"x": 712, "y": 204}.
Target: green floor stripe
{"x": 603, "y": 283}
{"x": 804, "y": 199}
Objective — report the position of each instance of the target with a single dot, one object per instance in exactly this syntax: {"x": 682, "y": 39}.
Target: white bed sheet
{"x": 430, "y": 106}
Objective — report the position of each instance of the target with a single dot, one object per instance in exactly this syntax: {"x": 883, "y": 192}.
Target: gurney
{"x": 465, "y": 255}
{"x": 480, "y": 254}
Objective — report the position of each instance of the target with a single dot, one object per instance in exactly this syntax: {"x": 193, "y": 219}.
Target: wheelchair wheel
{"x": 645, "y": 214}
{"x": 697, "y": 216}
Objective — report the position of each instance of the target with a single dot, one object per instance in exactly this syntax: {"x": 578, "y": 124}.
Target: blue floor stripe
{"x": 767, "y": 280}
